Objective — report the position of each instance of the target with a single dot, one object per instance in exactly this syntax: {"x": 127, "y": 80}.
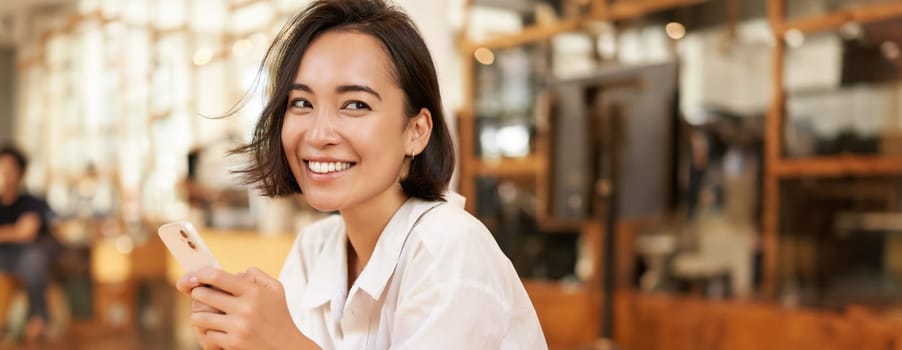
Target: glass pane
{"x": 169, "y": 14}
{"x": 251, "y": 18}
{"x": 506, "y": 83}
{"x": 840, "y": 242}
{"x": 508, "y": 210}
{"x": 171, "y": 73}
{"x": 732, "y": 75}
{"x": 211, "y": 99}
{"x": 208, "y": 16}
{"x": 842, "y": 93}
{"x": 290, "y": 5}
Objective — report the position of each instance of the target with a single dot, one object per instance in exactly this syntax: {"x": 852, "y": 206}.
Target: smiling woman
{"x": 355, "y": 123}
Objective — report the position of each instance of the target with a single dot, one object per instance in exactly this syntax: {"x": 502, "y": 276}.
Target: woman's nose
{"x": 322, "y": 133}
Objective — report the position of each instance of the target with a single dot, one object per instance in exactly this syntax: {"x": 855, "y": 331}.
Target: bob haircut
{"x": 411, "y": 66}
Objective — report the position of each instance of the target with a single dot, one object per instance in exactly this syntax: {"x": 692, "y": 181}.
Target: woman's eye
{"x": 300, "y": 103}
{"x": 356, "y": 105}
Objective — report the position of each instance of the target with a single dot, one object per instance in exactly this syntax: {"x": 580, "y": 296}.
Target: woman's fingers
{"x": 186, "y": 283}
{"x": 215, "y": 340}
{"x": 197, "y": 306}
{"x": 211, "y": 322}
{"x": 261, "y": 278}
{"x": 216, "y": 299}
{"x": 205, "y": 341}
{"x": 224, "y": 281}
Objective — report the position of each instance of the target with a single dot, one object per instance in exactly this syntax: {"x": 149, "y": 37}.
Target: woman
{"x": 355, "y": 123}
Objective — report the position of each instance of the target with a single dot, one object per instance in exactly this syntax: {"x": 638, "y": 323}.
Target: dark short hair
{"x": 413, "y": 70}
{"x": 17, "y": 155}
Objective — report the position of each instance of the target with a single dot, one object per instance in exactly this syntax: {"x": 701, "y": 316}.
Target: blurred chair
{"x": 14, "y": 308}
{"x": 725, "y": 249}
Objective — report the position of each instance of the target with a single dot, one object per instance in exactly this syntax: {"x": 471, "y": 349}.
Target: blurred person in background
{"x": 355, "y": 122}
{"x": 26, "y": 243}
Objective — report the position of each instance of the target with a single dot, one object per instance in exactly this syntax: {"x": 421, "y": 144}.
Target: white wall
{"x": 7, "y": 93}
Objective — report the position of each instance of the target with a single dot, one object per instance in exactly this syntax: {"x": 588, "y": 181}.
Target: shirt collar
{"x": 330, "y": 271}
{"x": 381, "y": 266}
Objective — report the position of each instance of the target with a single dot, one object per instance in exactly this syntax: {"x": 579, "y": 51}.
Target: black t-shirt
{"x": 26, "y": 203}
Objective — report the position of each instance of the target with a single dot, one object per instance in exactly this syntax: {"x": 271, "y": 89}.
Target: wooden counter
{"x": 659, "y": 321}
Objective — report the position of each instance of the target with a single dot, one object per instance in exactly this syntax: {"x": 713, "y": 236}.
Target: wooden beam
{"x": 840, "y": 165}
{"x": 621, "y": 10}
{"x": 527, "y": 35}
{"x": 29, "y": 62}
{"x": 466, "y": 159}
{"x": 599, "y": 7}
{"x": 612, "y": 12}
{"x": 772, "y": 145}
{"x": 859, "y": 14}
{"x": 509, "y": 167}
{"x": 732, "y": 14}
{"x": 156, "y": 33}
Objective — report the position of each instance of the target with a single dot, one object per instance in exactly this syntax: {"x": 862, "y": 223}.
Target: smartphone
{"x": 187, "y": 246}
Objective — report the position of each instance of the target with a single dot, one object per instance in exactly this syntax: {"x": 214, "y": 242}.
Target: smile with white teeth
{"x": 327, "y": 167}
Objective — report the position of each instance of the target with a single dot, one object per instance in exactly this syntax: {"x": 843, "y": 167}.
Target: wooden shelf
{"x": 840, "y": 165}
{"x": 633, "y": 9}
{"x": 832, "y": 20}
{"x": 508, "y": 167}
{"x": 617, "y": 11}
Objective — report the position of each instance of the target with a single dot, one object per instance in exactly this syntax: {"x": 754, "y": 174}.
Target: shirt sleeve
{"x": 450, "y": 302}
{"x": 37, "y": 206}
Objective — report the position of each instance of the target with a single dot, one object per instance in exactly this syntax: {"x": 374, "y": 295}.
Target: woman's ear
{"x": 420, "y": 129}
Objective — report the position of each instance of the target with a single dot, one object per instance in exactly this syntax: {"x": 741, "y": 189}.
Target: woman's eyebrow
{"x": 302, "y": 87}
{"x": 341, "y": 89}
{"x": 354, "y": 88}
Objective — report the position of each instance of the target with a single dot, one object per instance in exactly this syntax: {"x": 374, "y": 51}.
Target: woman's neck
{"x": 364, "y": 224}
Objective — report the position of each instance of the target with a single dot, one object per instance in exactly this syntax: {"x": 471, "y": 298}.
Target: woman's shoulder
{"x": 448, "y": 226}
{"x": 448, "y": 215}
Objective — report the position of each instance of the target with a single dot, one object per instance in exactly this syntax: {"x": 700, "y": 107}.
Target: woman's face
{"x": 345, "y": 133}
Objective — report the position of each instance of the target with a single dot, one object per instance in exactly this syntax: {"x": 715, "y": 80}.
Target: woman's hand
{"x": 185, "y": 285}
{"x": 254, "y": 313}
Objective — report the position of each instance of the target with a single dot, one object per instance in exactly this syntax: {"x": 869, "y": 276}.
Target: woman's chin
{"x": 322, "y": 204}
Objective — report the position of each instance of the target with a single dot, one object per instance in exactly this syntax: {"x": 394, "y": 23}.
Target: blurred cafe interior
{"x": 663, "y": 174}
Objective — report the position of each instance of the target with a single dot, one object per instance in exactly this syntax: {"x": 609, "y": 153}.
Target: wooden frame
{"x": 776, "y": 166}
{"x": 552, "y": 299}
{"x": 862, "y": 14}
{"x": 601, "y": 11}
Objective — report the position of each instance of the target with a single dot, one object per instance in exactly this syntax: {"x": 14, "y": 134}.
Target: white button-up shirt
{"x": 436, "y": 280}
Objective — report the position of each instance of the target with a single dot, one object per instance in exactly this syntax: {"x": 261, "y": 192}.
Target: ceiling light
{"x": 202, "y": 56}
{"x": 484, "y": 56}
{"x": 890, "y": 50}
{"x": 675, "y": 30}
